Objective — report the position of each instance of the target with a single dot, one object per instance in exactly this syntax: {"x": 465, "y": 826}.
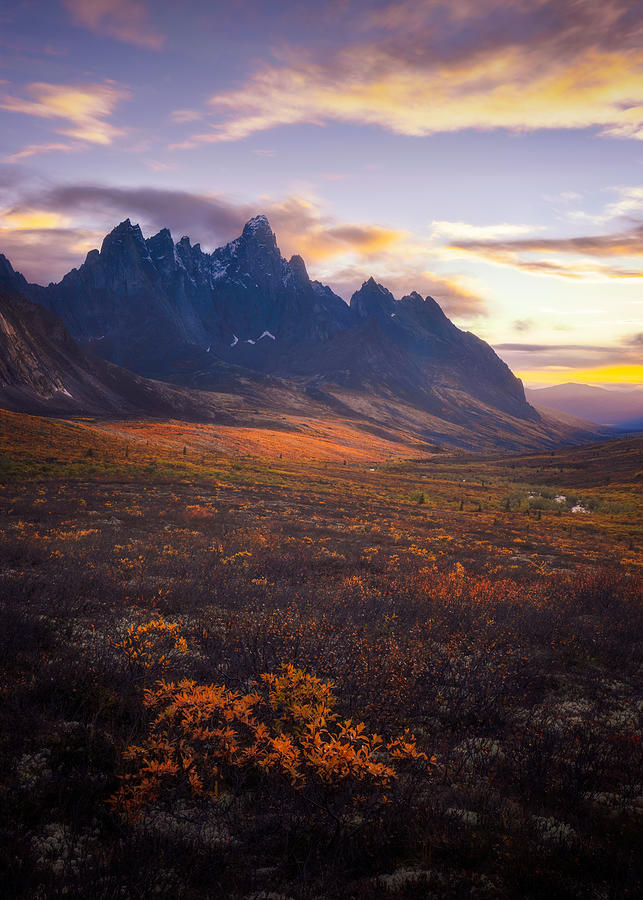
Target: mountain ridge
{"x": 243, "y": 320}
{"x": 162, "y": 308}
{"x": 620, "y": 409}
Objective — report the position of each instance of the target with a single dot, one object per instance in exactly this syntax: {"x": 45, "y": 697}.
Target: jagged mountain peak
{"x": 298, "y": 268}
{"x": 125, "y": 227}
{"x": 127, "y": 235}
{"x": 372, "y": 299}
{"x": 414, "y": 298}
{"x": 427, "y": 309}
{"x": 9, "y": 278}
{"x": 160, "y": 243}
{"x": 163, "y": 235}
{"x": 257, "y": 232}
{"x": 258, "y": 225}
{"x": 92, "y": 257}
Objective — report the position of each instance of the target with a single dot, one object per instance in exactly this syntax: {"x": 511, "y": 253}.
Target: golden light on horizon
{"x": 625, "y": 374}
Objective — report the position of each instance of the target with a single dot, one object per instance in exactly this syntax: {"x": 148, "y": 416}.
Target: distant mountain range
{"x": 622, "y": 410}
{"x": 244, "y": 321}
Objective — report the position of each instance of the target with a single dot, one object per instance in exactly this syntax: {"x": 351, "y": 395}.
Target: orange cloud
{"x": 125, "y": 20}
{"x": 85, "y": 107}
{"x": 32, "y": 219}
{"x": 322, "y": 243}
{"x": 499, "y": 87}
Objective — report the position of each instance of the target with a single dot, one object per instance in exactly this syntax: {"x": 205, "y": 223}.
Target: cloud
{"x": 46, "y": 254}
{"x": 213, "y": 218}
{"x": 38, "y": 149}
{"x": 343, "y": 254}
{"x": 548, "y": 362}
{"x": 558, "y": 348}
{"x": 582, "y": 256}
{"x": 31, "y": 220}
{"x": 464, "y": 231}
{"x": 84, "y": 106}
{"x": 422, "y": 69}
{"x": 323, "y": 240}
{"x": 300, "y": 225}
{"x": 181, "y": 116}
{"x": 124, "y": 20}
{"x": 156, "y": 165}
{"x": 630, "y": 201}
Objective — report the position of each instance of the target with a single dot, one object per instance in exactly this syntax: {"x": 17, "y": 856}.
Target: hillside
{"x": 42, "y": 369}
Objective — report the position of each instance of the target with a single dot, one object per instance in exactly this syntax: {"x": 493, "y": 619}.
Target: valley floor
{"x": 479, "y": 616}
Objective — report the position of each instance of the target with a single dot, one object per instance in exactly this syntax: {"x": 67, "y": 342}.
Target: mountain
{"x": 42, "y": 369}
{"x": 158, "y": 307}
{"x": 246, "y": 323}
{"x": 620, "y": 409}
{"x": 164, "y": 309}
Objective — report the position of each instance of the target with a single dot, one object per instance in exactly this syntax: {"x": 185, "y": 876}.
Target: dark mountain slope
{"x": 42, "y": 369}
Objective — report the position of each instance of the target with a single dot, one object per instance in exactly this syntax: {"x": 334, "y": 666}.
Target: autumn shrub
{"x": 201, "y": 736}
{"x": 152, "y": 643}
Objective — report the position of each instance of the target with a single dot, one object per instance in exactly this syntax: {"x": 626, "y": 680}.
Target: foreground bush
{"x": 201, "y": 737}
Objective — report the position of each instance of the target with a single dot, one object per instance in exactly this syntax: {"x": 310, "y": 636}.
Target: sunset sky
{"x": 488, "y": 152}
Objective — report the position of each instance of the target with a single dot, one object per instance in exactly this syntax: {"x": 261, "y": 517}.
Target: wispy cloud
{"x": 557, "y": 348}
{"x": 538, "y": 65}
{"x": 548, "y": 362}
{"x": 575, "y": 257}
{"x": 124, "y": 20}
{"x": 38, "y": 149}
{"x": 85, "y": 107}
{"x": 156, "y": 165}
{"x": 630, "y": 201}
{"x": 180, "y": 116}
{"x": 465, "y": 231}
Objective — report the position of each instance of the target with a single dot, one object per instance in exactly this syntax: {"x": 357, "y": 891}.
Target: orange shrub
{"x": 200, "y": 735}
{"x": 148, "y": 644}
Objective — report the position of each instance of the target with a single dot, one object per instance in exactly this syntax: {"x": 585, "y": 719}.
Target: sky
{"x": 486, "y": 152}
